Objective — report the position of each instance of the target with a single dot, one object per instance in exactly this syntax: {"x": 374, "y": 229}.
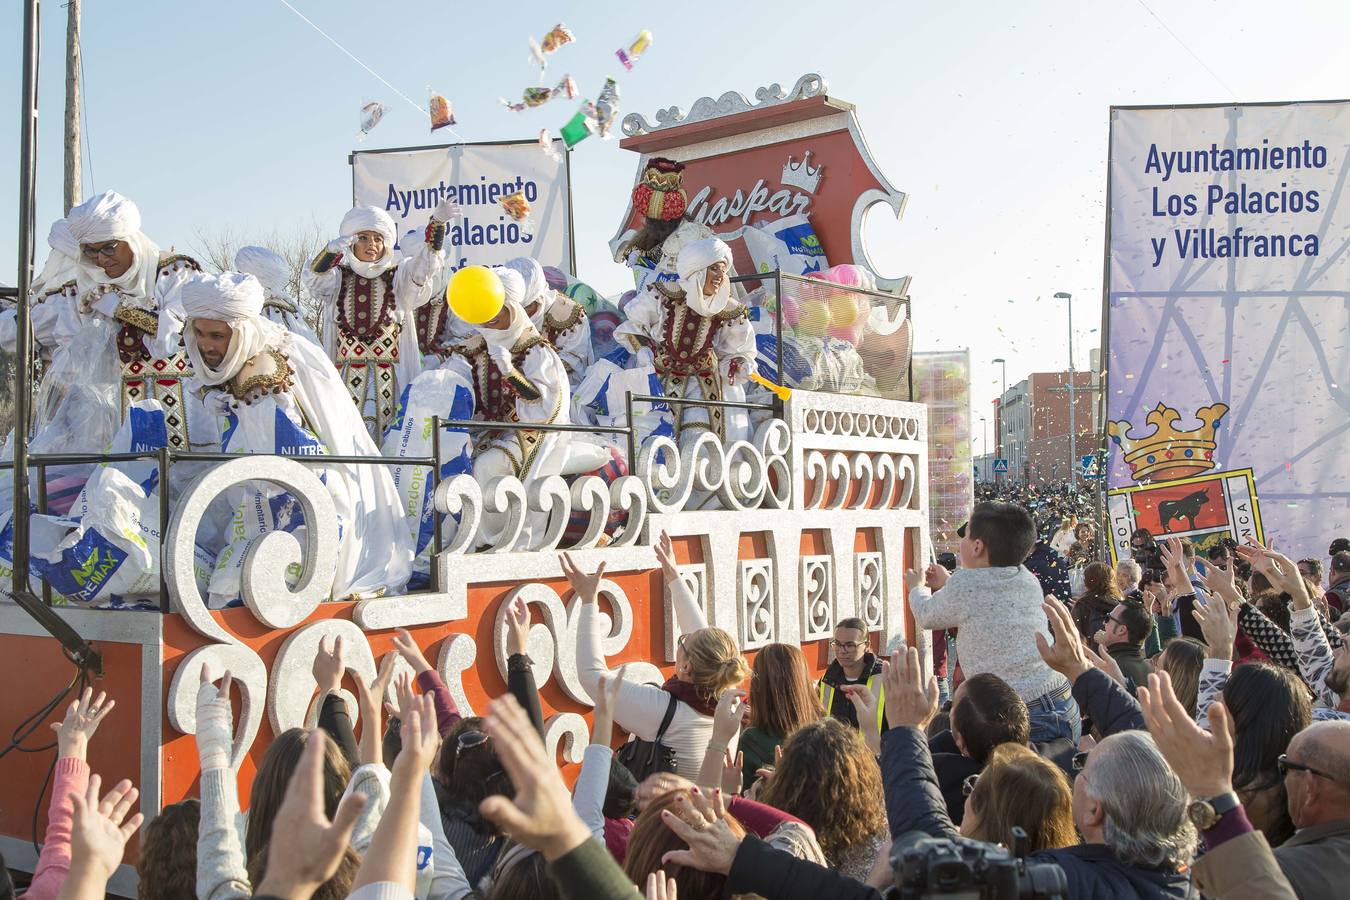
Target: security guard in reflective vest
{"x": 853, "y": 664}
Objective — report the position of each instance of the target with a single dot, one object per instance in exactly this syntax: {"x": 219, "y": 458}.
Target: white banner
{"x": 1229, "y": 307}
{"x": 409, "y": 183}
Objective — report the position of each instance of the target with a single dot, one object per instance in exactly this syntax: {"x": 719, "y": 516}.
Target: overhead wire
{"x": 354, "y": 58}
{"x": 1195, "y": 56}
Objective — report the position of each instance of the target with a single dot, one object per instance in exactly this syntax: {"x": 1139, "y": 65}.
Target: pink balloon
{"x": 850, "y": 333}
{"x": 792, "y": 311}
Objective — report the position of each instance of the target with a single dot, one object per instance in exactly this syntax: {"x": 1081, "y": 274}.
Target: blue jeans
{"x": 1055, "y": 715}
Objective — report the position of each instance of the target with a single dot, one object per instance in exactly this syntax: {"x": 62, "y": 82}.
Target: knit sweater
{"x": 640, "y": 707}
{"x": 72, "y": 777}
{"x": 998, "y": 611}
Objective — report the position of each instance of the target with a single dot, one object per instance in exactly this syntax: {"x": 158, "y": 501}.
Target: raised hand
{"x": 1067, "y": 656}
{"x": 865, "y": 705}
{"x": 1174, "y": 558}
{"x": 1107, "y": 664}
{"x": 1203, "y": 760}
{"x": 727, "y": 716}
{"x": 82, "y": 720}
{"x": 1219, "y": 582}
{"x": 587, "y": 587}
{"x": 659, "y": 887}
{"x": 517, "y": 627}
{"x": 411, "y": 653}
{"x": 908, "y": 700}
{"x": 405, "y": 696}
{"x": 370, "y": 701}
{"x": 328, "y": 665}
{"x": 665, "y": 555}
{"x": 306, "y": 845}
{"x": 540, "y": 815}
{"x": 913, "y": 578}
{"x": 605, "y": 702}
{"x": 701, "y": 823}
{"x": 732, "y": 771}
{"x": 100, "y": 832}
{"x": 215, "y": 721}
{"x": 935, "y": 576}
{"x": 1219, "y": 622}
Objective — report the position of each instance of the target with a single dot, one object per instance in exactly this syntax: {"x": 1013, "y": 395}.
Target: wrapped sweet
{"x": 634, "y": 49}
{"x": 518, "y": 208}
{"x": 559, "y": 36}
{"x": 606, "y": 108}
{"x": 441, "y": 116}
{"x": 538, "y": 96}
{"x": 371, "y": 114}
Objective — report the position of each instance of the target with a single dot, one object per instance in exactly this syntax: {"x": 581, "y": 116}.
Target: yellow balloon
{"x": 843, "y": 309}
{"x": 475, "y": 293}
{"x": 815, "y": 318}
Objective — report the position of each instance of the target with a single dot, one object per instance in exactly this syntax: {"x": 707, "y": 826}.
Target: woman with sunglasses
{"x": 707, "y": 662}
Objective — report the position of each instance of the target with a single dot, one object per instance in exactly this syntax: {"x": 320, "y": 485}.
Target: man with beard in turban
{"x": 274, "y": 274}
{"x": 518, "y": 377}
{"x": 700, "y": 342}
{"x": 277, "y": 393}
{"x": 122, "y": 277}
{"x": 559, "y": 319}
{"x": 370, "y": 293}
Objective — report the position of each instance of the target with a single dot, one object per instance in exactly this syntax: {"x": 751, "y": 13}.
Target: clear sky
{"x": 991, "y": 116}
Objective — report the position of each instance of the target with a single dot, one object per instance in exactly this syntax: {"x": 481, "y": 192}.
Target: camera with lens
{"x": 959, "y": 867}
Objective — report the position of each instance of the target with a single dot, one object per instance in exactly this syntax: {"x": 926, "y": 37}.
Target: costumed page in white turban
{"x": 693, "y": 264}
{"x": 111, "y": 217}
{"x": 375, "y": 553}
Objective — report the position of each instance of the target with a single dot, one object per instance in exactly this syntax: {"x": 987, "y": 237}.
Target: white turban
{"x": 693, "y": 263}
{"x": 105, "y": 217}
{"x": 267, "y": 266}
{"x": 536, "y": 285}
{"x": 370, "y": 218}
{"x": 519, "y": 325}
{"x": 61, "y": 262}
{"x": 237, "y": 300}
{"x": 111, "y": 217}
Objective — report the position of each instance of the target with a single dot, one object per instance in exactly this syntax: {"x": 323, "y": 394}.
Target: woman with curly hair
{"x": 830, "y": 780}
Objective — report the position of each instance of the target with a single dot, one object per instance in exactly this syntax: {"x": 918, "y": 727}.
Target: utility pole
{"x": 72, "y": 138}
{"x": 999, "y": 427}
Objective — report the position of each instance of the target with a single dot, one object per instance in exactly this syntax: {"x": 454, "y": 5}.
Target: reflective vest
{"x": 827, "y": 698}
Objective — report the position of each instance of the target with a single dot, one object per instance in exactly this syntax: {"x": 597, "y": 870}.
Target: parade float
{"x": 813, "y": 519}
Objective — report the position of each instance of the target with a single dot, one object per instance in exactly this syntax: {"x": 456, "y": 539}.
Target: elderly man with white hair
{"x": 699, "y": 340}
{"x": 558, "y": 318}
{"x": 274, "y": 274}
{"x": 370, "y": 294}
{"x": 518, "y": 377}
{"x": 276, "y": 393}
{"x": 123, "y": 278}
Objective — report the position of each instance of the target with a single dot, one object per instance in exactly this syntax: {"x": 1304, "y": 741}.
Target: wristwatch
{"x": 1205, "y": 812}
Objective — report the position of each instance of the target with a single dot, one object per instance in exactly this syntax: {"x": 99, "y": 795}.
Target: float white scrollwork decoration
{"x": 867, "y": 582}
{"x": 757, "y": 600}
{"x": 264, "y": 585}
{"x": 817, "y": 592}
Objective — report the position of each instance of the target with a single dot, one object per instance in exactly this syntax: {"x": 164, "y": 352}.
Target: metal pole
{"x": 72, "y": 136}
{"x": 23, "y": 323}
{"x": 435, "y": 568}
{"x": 1073, "y": 404}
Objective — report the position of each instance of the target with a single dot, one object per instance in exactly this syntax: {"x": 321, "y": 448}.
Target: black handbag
{"x": 645, "y": 758}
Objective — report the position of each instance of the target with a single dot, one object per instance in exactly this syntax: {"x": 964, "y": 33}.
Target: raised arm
{"x": 519, "y": 673}
{"x": 639, "y": 707}
{"x": 588, "y": 795}
{"x": 222, "y": 873}
{"x": 688, "y": 616}
{"x": 934, "y": 602}
{"x": 914, "y": 800}
{"x": 72, "y": 777}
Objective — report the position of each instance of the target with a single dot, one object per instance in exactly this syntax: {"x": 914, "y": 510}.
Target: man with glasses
{"x": 122, "y": 275}
{"x": 1316, "y": 860}
{"x": 853, "y": 664}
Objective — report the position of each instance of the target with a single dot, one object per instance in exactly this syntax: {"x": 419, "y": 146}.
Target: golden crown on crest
{"x": 1169, "y": 452}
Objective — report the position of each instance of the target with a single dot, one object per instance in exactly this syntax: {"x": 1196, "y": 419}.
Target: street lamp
{"x": 984, "y": 440}
{"x": 1002, "y": 398}
{"x": 1073, "y": 404}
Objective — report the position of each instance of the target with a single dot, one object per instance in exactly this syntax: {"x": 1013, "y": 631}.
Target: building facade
{"x": 1035, "y": 426}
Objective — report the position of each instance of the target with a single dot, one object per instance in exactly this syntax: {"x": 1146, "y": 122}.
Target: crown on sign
{"x": 1169, "y": 452}
{"x": 801, "y": 174}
